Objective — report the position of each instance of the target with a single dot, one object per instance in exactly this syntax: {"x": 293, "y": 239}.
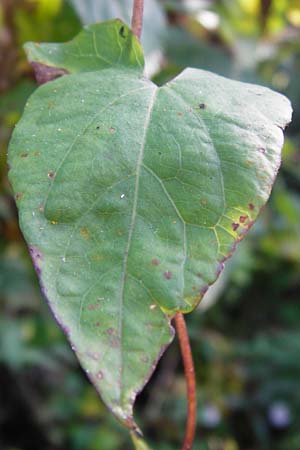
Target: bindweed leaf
{"x": 131, "y": 197}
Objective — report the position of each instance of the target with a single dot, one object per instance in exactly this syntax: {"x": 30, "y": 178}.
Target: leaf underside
{"x": 131, "y": 197}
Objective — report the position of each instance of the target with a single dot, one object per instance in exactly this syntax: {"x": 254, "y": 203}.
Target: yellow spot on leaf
{"x": 84, "y": 232}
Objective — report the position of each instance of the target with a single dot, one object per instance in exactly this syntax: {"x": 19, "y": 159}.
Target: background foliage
{"x": 246, "y": 335}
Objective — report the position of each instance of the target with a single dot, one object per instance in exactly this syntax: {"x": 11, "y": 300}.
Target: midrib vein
{"x": 131, "y": 228}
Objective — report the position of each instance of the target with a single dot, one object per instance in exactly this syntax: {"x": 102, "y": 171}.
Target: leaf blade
{"x": 115, "y": 218}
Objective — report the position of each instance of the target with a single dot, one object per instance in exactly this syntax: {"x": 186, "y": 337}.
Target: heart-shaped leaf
{"x": 131, "y": 197}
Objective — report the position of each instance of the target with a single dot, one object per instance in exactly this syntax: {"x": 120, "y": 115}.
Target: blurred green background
{"x": 246, "y": 336}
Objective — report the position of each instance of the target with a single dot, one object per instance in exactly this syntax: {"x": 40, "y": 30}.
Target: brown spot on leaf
{"x": 155, "y": 262}
{"x": 84, "y": 232}
{"x": 93, "y": 306}
{"x": 18, "y": 195}
{"x": 251, "y": 206}
{"x": 234, "y": 226}
{"x": 24, "y": 155}
{"x": 51, "y": 174}
{"x": 114, "y": 341}
{"x": 179, "y": 114}
{"x": 112, "y": 130}
{"x": 168, "y": 275}
{"x": 202, "y": 106}
{"x": 111, "y": 331}
{"x": 36, "y": 153}
{"x": 243, "y": 219}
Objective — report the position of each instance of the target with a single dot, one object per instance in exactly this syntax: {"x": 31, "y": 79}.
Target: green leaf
{"x": 131, "y": 197}
{"x": 154, "y": 21}
{"x": 96, "y": 47}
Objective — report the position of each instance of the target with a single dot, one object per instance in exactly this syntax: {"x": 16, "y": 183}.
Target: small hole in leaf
{"x": 202, "y": 106}
{"x": 122, "y": 32}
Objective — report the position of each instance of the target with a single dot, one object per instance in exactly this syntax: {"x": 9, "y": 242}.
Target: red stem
{"x": 137, "y": 18}
{"x": 190, "y": 380}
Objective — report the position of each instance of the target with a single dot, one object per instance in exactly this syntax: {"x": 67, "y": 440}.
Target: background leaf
{"x": 95, "y": 48}
{"x": 154, "y": 27}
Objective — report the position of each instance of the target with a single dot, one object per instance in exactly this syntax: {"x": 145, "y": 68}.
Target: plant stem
{"x": 190, "y": 380}
{"x": 265, "y": 8}
{"x": 137, "y": 17}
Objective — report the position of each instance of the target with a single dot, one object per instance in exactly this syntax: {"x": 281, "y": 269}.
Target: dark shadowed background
{"x": 246, "y": 336}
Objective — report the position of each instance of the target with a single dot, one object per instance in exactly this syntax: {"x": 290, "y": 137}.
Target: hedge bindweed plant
{"x": 132, "y": 196}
